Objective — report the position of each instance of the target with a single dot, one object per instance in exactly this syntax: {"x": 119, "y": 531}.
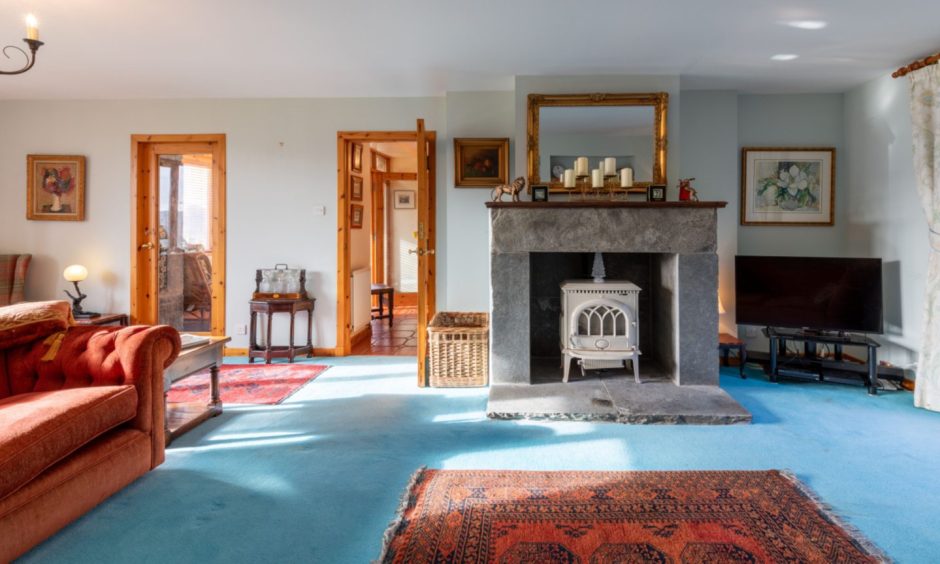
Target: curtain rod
{"x": 918, "y": 64}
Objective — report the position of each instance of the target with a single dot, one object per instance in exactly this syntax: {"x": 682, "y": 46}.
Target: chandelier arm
{"x": 30, "y": 60}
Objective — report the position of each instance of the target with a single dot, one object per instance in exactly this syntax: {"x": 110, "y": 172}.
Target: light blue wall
{"x": 709, "y": 148}
{"x": 883, "y": 216}
{"x": 795, "y": 120}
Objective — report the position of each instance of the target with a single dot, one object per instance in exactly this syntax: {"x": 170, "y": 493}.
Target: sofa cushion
{"x": 28, "y": 321}
{"x": 38, "y": 429}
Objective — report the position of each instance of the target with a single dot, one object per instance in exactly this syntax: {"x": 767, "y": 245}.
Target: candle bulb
{"x": 569, "y": 178}
{"x": 610, "y": 166}
{"x": 581, "y": 166}
{"x": 626, "y": 178}
{"x": 597, "y": 178}
{"x": 32, "y": 28}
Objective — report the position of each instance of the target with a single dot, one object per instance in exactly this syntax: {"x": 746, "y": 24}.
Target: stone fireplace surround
{"x": 680, "y": 239}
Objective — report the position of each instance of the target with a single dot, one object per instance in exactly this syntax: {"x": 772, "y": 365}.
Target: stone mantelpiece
{"x": 683, "y": 233}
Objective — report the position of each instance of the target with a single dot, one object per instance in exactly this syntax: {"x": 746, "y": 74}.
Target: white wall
{"x": 883, "y": 216}
{"x": 281, "y": 163}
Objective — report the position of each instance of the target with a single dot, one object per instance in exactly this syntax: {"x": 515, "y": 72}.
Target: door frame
{"x": 344, "y": 140}
{"x": 144, "y": 302}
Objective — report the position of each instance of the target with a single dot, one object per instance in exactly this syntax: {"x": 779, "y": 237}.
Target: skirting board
{"x": 364, "y": 334}
{"x": 233, "y": 351}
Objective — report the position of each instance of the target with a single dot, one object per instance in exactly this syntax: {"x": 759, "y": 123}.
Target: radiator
{"x": 361, "y": 299}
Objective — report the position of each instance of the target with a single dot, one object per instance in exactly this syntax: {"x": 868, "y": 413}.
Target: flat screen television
{"x": 825, "y": 294}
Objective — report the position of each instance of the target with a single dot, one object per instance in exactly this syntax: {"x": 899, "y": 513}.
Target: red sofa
{"x": 81, "y": 417}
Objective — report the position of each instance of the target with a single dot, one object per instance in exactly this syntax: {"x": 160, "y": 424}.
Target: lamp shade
{"x": 75, "y": 273}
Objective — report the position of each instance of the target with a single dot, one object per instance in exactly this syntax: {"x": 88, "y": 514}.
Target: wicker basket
{"x": 459, "y": 349}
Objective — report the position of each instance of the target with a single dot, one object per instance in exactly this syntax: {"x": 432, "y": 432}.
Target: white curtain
{"x": 925, "y": 113}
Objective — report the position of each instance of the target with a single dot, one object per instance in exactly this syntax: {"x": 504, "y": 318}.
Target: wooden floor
{"x": 398, "y": 340}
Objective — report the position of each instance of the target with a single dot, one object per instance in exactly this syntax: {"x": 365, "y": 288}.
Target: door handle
{"x": 420, "y": 252}
{"x": 145, "y": 247}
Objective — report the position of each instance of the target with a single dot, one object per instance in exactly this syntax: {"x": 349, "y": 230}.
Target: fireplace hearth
{"x": 668, "y": 250}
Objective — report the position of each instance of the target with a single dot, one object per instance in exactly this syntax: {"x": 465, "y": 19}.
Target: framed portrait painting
{"x": 355, "y": 216}
{"x": 55, "y": 187}
{"x": 788, "y": 186}
{"x": 355, "y": 187}
{"x": 481, "y": 163}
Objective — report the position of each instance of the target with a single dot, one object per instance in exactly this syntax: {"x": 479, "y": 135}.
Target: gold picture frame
{"x": 55, "y": 187}
{"x": 481, "y": 162}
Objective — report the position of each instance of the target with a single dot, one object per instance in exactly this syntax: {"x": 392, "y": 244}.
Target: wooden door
{"x": 426, "y": 244}
{"x": 178, "y": 232}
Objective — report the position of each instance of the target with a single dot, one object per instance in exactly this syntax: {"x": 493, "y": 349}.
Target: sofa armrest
{"x": 145, "y": 352}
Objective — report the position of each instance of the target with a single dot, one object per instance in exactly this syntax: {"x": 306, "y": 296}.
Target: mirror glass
{"x": 596, "y": 132}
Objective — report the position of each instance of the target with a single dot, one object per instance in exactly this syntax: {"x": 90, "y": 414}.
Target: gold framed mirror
{"x": 631, "y": 128}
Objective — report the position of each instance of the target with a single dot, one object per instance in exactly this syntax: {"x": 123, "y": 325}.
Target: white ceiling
{"x": 298, "y": 48}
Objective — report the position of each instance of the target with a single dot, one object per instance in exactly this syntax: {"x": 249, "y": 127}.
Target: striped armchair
{"x": 13, "y": 278}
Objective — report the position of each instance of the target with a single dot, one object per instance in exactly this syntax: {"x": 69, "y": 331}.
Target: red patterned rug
{"x": 600, "y": 517}
{"x": 247, "y": 383}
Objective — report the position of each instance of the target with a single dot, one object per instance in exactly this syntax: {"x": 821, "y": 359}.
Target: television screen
{"x": 831, "y": 294}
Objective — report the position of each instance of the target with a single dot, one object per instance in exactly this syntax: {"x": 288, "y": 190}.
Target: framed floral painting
{"x": 55, "y": 187}
{"x": 787, "y": 186}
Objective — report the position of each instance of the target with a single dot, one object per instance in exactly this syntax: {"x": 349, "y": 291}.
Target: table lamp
{"x": 75, "y": 274}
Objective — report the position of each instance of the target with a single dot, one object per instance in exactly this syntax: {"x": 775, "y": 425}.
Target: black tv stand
{"x": 810, "y": 364}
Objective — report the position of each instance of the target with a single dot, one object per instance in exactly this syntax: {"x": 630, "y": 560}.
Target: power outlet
{"x": 241, "y": 329}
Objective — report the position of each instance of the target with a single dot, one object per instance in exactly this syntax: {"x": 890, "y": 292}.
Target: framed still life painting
{"x": 55, "y": 187}
{"x": 481, "y": 163}
{"x": 787, "y": 186}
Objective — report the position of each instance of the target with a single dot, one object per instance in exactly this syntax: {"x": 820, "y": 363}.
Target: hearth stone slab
{"x": 616, "y": 398}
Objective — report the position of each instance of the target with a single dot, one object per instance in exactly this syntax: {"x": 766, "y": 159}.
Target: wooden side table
{"x": 105, "y": 319}
{"x": 726, "y": 342}
{"x": 382, "y": 290}
{"x": 269, "y": 308}
{"x": 183, "y": 417}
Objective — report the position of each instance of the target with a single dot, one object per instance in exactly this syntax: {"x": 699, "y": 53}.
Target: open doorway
{"x": 385, "y": 322}
{"x": 386, "y": 246}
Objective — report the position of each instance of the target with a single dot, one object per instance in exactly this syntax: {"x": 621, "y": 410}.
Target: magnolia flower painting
{"x": 55, "y": 187}
{"x": 787, "y": 187}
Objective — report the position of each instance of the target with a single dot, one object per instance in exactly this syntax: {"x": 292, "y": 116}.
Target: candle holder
{"x": 583, "y": 183}
{"x": 34, "y": 45}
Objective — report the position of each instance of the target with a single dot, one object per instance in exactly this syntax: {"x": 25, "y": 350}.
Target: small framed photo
{"x": 355, "y": 216}
{"x": 55, "y": 188}
{"x": 787, "y": 186}
{"x": 481, "y": 163}
{"x": 403, "y": 199}
{"x": 356, "y": 164}
{"x": 540, "y": 193}
{"x": 355, "y": 188}
{"x": 656, "y": 193}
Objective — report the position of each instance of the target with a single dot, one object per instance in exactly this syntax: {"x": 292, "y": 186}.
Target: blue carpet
{"x": 318, "y": 478}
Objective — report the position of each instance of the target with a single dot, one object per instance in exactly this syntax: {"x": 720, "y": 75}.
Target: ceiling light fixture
{"x": 784, "y": 57}
{"x": 811, "y": 25}
{"x": 32, "y": 40}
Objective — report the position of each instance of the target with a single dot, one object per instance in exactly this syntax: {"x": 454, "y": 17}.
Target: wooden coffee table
{"x": 185, "y": 416}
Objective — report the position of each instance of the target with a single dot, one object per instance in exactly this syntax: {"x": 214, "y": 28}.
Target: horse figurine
{"x": 511, "y": 189}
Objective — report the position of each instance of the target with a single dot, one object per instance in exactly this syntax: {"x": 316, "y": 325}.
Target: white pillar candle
{"x": 597, "y": 178}
{"x": 32, "y": 28}
{"x": 581, "y": 166}
{"x": 610, "y": 166}
{"x": 626, "y": 177}
{"x": 569, "y": 178}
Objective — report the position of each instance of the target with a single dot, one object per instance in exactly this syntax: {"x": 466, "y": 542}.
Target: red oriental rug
{"x": 599, "y": 517}
{"x": 247, "y": 383}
